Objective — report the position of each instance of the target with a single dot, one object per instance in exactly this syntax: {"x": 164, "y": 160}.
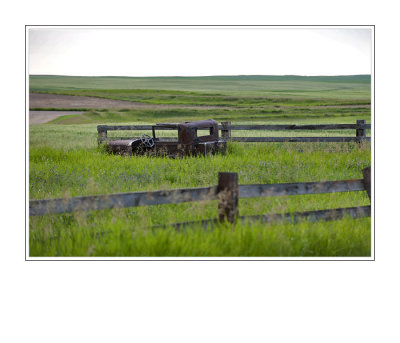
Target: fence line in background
{"x": 299, "y": 139}
{"x": 266, "y": 139}
{"x": 227, "y": 126}
{"x": 226, "y": 129}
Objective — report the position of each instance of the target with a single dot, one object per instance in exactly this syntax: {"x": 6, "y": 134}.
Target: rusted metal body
{"x": 191, "y": 141}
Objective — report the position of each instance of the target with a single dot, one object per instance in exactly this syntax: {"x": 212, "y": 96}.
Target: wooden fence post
{"x": 228, "y": 197}
{"x": 360, "y": 133}
{"x": 225, "y": 133}
{"x": 101, "y": 134}
{"x": 367, "y": 180}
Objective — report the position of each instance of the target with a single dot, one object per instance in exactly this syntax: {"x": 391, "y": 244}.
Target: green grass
{"x": 64, "y": 161}
{"x": 55, "y": 172}
{"x": 171, "y": 97}
{"x": 84, "y": 171}
{"x": 93, "y": 237}
{"x": 311, "y": 87}
{"x": 337, "y": 115}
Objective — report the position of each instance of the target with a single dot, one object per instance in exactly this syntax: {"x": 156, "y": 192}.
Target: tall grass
{"x": 93, "y": 237}
{"x": 71, "y": 172}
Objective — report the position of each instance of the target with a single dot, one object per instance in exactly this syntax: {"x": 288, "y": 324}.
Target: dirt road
{"x": 40, "y": 117}
{"x": 37, "y": 100}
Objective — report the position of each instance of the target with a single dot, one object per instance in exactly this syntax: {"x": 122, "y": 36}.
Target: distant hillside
{"x": 322, "y": 86}
{"x": 281, "y": 78}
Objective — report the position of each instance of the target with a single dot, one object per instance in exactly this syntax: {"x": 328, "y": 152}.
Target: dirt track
{"x": 40, "y": 117}
{"x": 37, "y": 100}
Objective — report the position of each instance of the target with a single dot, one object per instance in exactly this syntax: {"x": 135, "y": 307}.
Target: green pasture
{"x": 340, "y": 115}
{"x": 65, "y": 161}
{"x": 310, "y": 87}
{"x": 80, "y": 168}
{"x": 242, "y": 100}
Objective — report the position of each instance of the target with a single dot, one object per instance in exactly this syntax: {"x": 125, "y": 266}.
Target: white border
{"x": 371, "y": 258}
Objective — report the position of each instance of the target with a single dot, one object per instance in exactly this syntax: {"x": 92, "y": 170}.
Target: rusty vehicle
{"x": 194, "y": 138}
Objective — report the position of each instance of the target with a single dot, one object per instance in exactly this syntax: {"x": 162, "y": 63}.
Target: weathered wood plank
{"x": 263, "y": 139}
{"x": 299, "y": 139}
{"x": 300, "y": 188}
{"x": 128, "y": 127}
{"x": 360, "y": 131}
{"x": 247, "y": 127}
{"x": 127, "y": 138}
{"x": 101, "y": 136}
{"x": 105, "y": 128}
{"x": 225, "y": 133}
{"x": 367, "y": 180}
{"x": 228, "y": 197}
{"x": 313, "y": 216}
{"x": 296, "y": 127}
{"x": 120, "y": 200}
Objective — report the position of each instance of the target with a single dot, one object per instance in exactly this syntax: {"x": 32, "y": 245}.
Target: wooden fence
{"x": 226, "y": 129}
{"x": 227, "y": 193}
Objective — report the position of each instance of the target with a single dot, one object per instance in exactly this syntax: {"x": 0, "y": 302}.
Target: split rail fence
{"x": 226, "y": 129}
{"x": 227, "y": 193}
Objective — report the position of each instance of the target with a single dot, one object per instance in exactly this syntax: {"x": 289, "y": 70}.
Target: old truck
{"x": 193, "y": 138}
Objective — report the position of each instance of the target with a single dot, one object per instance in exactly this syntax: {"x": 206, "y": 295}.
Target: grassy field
{"x": 64, "y": 161}
{"x": 332, "y": 115}
{"x": 311, "y": 87}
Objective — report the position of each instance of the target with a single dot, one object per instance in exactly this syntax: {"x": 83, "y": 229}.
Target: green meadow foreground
{"x": 64, "y": 161}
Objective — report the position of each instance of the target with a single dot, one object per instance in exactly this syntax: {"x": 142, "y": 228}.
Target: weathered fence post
{"x": 225, "y": 132}
{"x": 101, "y": 134}
{"x": 367, "y": 180}
{"x": 360, "y": 133}
{"x": 228, "y": 197}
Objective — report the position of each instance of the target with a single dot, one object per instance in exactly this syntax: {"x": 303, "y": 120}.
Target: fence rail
{"x": 120, "y": 200}
{"x": 299, "y": 139}
{"x": 176, "y": 196}
{"x": 312, "y": 216}
{"x": 226, "y": 129}
{"x": 265, "y": 139}
{"x": 300, "y": 188}
{"x": 246, "y": 127}
{"x": 296, "y": 127}
{"x": 227, "y": 192}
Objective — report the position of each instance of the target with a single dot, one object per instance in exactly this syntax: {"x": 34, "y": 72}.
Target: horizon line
{"x": 183, "y": 76}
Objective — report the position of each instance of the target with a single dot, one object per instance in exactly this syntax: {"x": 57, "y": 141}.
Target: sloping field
{"x": 354, "y": 87}
{"x": 222, "y": 97}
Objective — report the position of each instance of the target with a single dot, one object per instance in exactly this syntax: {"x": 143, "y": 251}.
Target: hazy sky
{"x": 199, "y": 51}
